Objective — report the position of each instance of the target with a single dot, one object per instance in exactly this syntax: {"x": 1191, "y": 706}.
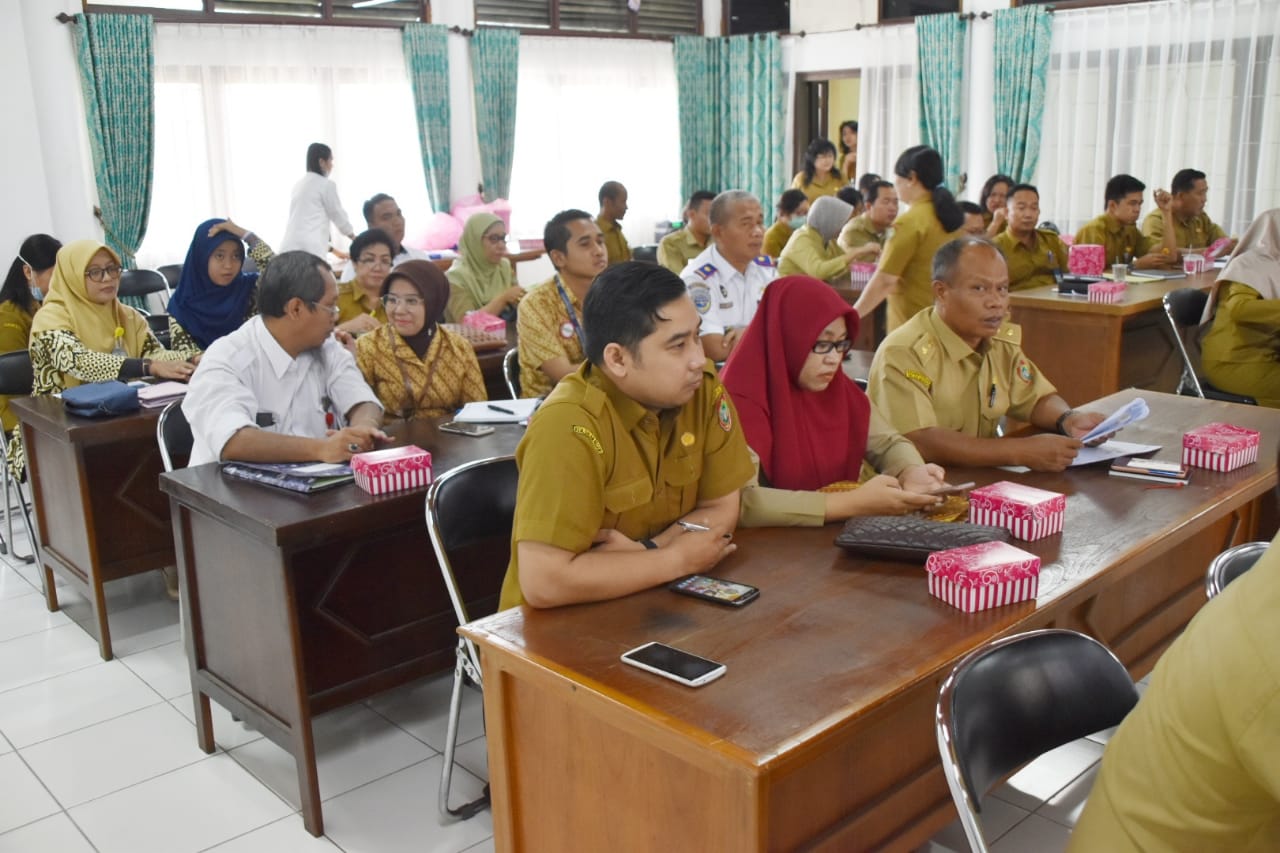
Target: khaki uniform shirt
{"x": 828, "y": 184}
{"x": 1196, "y": 765}
{"x": 859, "y": 231}
{"x": 353, "y": 301}
{"x": 1241, "y": 350}
{"x": 678, "y": 248}
{"x": 546, "y": 332}
{"x": 1033, "y": 267}
{"x": 595, "y": 458}
{"x": 614, "y": 243}
{"x": 917, "y": 236}
{"x": 775, "y": 239}
{"x": 807, "y": 254}
{"x": 1123, "y": 243}
{"x": 15, "y": 333}
{"x": 1196, "y": 232}
{"x": 924, "y": 376}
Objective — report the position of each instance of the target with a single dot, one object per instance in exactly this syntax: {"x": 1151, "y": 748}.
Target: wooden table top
{"x": 287, "y": 519}
{"x": 49, "y": 415}
{"x": 1140, "y": 296}
{"x": 832, "y": 637}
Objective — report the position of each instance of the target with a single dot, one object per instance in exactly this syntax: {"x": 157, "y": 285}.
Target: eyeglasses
{"x": 495, "y": 239}
{"x": 332, "y": 309}
{"x": 392, "y": 302}
{"x": 102, "y": 273}
{"x": 824, "y": 347}
{"x": 370, "y": 261}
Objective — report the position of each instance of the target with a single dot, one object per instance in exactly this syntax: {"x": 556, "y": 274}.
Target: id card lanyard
{"x": 573, "y": 315}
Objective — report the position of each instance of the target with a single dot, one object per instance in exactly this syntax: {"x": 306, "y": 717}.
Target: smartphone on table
{"x": 678, "y": 665}
{"x": 460, "y": 428}
{"x": 715, "y": 589}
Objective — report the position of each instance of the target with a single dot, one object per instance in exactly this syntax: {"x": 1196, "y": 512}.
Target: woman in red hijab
{"x": 809, "y": 423}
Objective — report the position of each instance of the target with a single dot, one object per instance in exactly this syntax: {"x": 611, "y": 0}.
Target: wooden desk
{"x": 299, "y": 604}
{"x": 99, "y": 515}
{"x": 820, "y": 736}
{"x": 1089, "y": 350}
{"x": 495, "y": 383}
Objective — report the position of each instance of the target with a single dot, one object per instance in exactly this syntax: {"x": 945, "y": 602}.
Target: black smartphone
{"x": 715, "y": 589}
{"x": 670, "y": 662}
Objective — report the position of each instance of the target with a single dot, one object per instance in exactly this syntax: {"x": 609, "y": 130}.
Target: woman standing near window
{"x": 313, "y": 205}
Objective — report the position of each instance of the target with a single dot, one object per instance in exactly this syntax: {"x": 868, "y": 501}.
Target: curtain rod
{"x": 64, "y": 18}
{"x": 969, "y": 16}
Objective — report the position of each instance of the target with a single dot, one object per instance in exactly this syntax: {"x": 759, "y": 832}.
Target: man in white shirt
{"x": 727, "y": 280}
{"x": 384, "y": 213}
{"x": 281, "y": 388}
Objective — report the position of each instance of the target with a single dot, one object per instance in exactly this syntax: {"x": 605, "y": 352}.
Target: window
{"x": 898, "y": 10}
{"x": 655, "y": 18}
{"x": 351, "y": 12}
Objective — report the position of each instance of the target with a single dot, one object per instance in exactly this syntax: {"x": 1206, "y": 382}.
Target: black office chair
{"x": 16, "y": 380}
{"x": 1231, "y": 564}
{"x": 172, "y": 274}
{"x": 137, "y": 285}
{"x": 469, "y": 517}
{"x": 645, "y": 253}
{"x": 159, "y": 324}
{"x": 511, "y": 372}
{"x": 173, "y": 434}
{"x": 1184, "y": 308}
{"x": 1017, "y": 698}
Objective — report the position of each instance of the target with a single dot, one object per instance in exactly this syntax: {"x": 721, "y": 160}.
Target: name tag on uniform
{"x": 725, "y": 306}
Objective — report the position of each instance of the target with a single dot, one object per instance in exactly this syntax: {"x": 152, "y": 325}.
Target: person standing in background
{"x": 313, "y": 205}
{"x": 849, "y": 150}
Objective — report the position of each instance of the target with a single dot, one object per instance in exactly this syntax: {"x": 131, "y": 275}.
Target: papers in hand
{"x": 1131, "y": 413}
{"x": 501, "y": 412}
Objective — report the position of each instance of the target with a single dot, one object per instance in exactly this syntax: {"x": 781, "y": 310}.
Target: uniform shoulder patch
{"x": 1024, "y": 370}
{"x": 724, "y": 415}
{"x": 1010, "y": 333}
{"x": 763, "y": 261}
{"x": 701, "y": 296}
{"x": 706, "y": 271}
{"x": 589, "y": 437}
{"x": 920, "y": 378}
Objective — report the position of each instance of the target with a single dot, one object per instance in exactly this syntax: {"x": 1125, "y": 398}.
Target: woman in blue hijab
{"x": 215, "y": 295}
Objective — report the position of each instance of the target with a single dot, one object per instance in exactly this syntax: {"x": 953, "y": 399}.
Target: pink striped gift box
{"x": 1028, "y": 513}
{"x": 1107, "y": 292}
{"x": 978, "y": 577}
{"x": 1220, "y": 447}
{"x": 395, "y": 469}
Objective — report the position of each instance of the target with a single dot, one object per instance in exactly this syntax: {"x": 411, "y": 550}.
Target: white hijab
{"x": 1255, "y": 261}
{"x": 827, "y": 215}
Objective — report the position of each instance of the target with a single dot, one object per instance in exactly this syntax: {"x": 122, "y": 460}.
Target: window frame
{"x": 633, "y": 21}
{"x": 209, "y": 16}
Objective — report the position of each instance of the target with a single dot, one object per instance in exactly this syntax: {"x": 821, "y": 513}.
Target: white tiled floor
{"x": 102, "y": 756}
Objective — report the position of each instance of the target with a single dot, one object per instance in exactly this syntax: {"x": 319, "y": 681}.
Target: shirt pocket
{"x": 680, "y": 476}
{"x": 623, "y": 497}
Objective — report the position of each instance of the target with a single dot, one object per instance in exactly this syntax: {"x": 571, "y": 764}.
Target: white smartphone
{"x": 473, "y": 430}
{"x": 680, "y": 666}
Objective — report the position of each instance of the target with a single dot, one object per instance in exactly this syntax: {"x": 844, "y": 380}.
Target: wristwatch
{"x": 649, "y": 544}
{"x": 146, "y": 367}
{"x": 1062, "y": 420}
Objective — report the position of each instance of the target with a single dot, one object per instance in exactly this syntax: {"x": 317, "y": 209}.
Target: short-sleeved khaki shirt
{"x": 924, "y": 376}
{"x": 1195, "y": 232}
{"x": 614, "y": 243}
{"x": 678, "y": 248}
{"x": 1123, "y": 243}
{"x": 353, "y": 300}
{"x": 546, "y": 332}
{"x": 917, "y": 235}
{"x": 595, "y": 458}
{"x": 1032, "y": 267}
{"x": 859, "y": 231}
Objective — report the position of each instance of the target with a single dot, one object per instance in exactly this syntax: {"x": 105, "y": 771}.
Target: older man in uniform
{"x": 727, "y": 280}
{"x": 1036, "y": 257}
{"x": 946, "y": 377}
{"x": 639, "y": 438}
{"x": 679, "y": 247}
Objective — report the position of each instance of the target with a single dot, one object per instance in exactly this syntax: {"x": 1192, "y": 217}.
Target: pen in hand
{"x": 693, "y": 527}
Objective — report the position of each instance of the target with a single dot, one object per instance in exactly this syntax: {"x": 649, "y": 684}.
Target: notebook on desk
{"x": 304, "y": 477}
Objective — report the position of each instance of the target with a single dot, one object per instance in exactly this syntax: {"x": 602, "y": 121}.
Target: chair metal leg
{"x": 11, "y": 485}
{"x": 474, "y": 807}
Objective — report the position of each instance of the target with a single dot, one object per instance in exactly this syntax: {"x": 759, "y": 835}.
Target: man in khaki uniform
{"x": 549, "y": 326}
{"x": 1035, "y": 256}
{"x": 679, "y": 247}
{"x": 946, "y": 377}
{"x": 1117, "y": 229}
{"x": 641, "y": 436}
{"x": 613, "y": 207}
{"x": 1192, "y": 227}
{"x": 872, "y": 226}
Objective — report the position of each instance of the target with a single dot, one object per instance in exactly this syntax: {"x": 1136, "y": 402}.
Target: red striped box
{"x": 1026, "y": 512}
{"x": 1107, "y": 292}
{"x": 392, "y": 470}
{"x": 1220, "y": 447}
{"x": 978, "y": 577}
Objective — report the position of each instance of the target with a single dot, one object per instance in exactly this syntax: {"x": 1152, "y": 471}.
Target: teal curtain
{"x": 495, "y": 60}
{"x": 1021, "y": 68}
{"x": 941, "y": 43}
{"x": 117, "y": 78}
{"x": 730, "y": 97}
{"x": 426, "y": 60}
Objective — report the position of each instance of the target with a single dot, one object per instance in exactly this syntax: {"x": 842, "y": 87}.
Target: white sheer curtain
{"x": 590, "y": 111}
{"x": 236, "y": 107}
{"x": 889, "y": 110}
{"x": 1151, "y": 88}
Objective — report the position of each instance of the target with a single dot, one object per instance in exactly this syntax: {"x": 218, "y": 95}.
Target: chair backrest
{"x": 469, "y": 517}
{"x": 1183, "y": 307}
{"x": 645, "y": 253}
{"x": 16, "y": 375}
{"x": 142, "y": 283}
{"x": 173, "y": 433}
{"x": 1017, "y": 698}
{"x": 511, "y": 372}
{"x": 172, "y": 274}
{"x": 1231, "y": 564}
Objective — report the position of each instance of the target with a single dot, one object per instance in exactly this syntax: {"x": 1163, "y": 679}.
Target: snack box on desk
{"x": 985, "y": 575}
{"x": 1107, "y": 292}
{"x": 1028, "y": 513}
{"x": 1220, "y": 447}
{"x": 1086, "y": 259}
{"x": 485, "y": 321}
{"x": 392, "y": 470}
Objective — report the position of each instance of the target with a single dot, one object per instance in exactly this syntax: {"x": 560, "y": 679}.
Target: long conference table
{"x": 820, "y": 735}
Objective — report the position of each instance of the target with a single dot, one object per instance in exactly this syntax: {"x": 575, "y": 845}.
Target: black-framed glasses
{"x": 824, "y": 347}
{"x": 102, "y": 273}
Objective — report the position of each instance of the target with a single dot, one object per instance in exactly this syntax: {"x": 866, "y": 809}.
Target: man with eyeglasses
{"x": 946, "y": 377}
{"x": 383, "y": 213}
{"x": 281, "y": 388}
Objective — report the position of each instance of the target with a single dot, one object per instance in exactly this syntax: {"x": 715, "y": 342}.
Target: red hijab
{"x": 805, "y": 439}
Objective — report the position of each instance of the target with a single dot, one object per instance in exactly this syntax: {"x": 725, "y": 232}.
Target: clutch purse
{"x": 101, "y": 399}
{"x": 907, "y": 537}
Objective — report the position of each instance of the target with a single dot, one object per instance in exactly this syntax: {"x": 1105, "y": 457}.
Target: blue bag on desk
{"x": 101, "y": 399}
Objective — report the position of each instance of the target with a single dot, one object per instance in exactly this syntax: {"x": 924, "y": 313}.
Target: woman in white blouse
{"x": 313, "y": 205}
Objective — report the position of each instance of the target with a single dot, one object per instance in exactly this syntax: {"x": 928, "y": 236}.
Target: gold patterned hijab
{"x": 67, "y": 305}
